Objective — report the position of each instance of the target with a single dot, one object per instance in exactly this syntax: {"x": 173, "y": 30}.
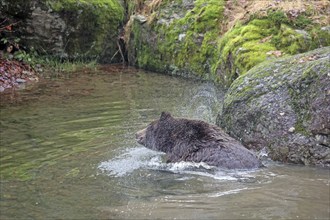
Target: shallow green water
{"x": 68, "y": 152}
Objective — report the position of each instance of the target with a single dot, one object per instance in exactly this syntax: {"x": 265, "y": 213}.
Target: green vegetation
{"x": 189, "y": 40}
{"x": 50, "y": 65}
{"x": 241, "y": 48}
{"x": 95, "y": 22}
{"x": 264, "y": 38}
{"x": 60, "y": 5}
{"x": 74, "y": 29}
{"x": 77, "y": 33}
{"x": 247, "y": 87}
{"x": 54, "y": 67}
{"x": 198, "y": 31}
{"x": 192, "y": 43}
{"x": 186, "y": 44}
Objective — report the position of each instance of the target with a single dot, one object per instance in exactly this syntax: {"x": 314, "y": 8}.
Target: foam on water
{"x": 141, "y": 158}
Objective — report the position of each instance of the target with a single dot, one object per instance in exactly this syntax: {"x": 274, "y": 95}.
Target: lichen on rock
{"x": 283, "y": 106}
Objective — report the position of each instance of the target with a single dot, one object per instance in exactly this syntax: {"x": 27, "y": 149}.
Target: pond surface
{"x": 68, "y": 152}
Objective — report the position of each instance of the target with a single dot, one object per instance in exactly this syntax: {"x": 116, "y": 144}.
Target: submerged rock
{"x": 284, "y": 106}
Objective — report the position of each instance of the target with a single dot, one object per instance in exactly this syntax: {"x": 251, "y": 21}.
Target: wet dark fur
{"x": 196, "y": 141}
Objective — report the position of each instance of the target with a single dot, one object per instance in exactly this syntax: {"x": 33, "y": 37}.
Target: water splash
{"x": 130, "y": 160}
{"x": 141, "y": 158}
{"x": 203, "y": 103}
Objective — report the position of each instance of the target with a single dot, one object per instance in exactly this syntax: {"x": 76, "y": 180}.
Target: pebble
{"x": 20, "y": 80}
{"x": 292, "y": 129}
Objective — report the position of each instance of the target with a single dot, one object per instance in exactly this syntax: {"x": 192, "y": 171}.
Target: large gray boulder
{"x": 284, "y": 107}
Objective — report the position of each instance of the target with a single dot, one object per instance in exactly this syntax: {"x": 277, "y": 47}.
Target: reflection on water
{"x": 68, "y": 152}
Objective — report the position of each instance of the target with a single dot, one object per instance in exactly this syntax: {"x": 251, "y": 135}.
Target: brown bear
{"x": 196, "y": 141}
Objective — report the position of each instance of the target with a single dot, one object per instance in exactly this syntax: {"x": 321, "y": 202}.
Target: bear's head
{"x": 156, "y": 135}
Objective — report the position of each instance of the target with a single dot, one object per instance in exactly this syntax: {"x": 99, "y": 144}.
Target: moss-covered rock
{"x": 245, "y": 46}
{"x": 68, "y": 28}
{"x": 283, "y": 106}
{"x": 179, "y": 37}
{"x": 188, "y": 38}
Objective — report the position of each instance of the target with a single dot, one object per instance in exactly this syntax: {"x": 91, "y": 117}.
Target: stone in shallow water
{"x": 19, "y": 80}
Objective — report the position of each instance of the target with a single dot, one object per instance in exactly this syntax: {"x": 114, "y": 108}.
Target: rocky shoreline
{"x": 15, "y": 74}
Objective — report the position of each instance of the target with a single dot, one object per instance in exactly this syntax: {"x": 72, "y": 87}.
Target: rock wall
{"x": 67, "y": 29}
{"x": 197, "y": 37}
{"x": 284, "y": 107}
{"x": 176, "y": 37}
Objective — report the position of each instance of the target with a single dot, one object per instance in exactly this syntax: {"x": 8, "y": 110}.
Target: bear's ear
{"x": 164, "y": 116}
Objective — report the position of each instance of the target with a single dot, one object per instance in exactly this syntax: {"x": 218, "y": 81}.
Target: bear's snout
{"x": 140, "y": 136}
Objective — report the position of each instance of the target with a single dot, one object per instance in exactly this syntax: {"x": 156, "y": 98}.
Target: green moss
{"x": 198, "y": 47}
{"x": 291, "y": 41}
{"x": 94, "y": 23}
{"x": 245, "y": 46}
{"x": 149, "y": 61}
{"x": 252, "y": 54}
{"x": 320, "y": 37}
{"x": 193, "y": 43}
{"x": 188, "y": 43}
{"x": 277, "y": 17}
{"x": 146, "y": 56}
{"x": 59, "y": 5}
{"x": 301, "y": 80}
{"x": 302, "y": 21}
